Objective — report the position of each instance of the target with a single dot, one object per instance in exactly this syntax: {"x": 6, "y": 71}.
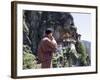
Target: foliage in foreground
{"x": 29, "y": 59}
{"x": 59, "y": 59}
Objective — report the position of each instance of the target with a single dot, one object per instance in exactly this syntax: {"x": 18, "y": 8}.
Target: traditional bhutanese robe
{"x": 45, "y": 51}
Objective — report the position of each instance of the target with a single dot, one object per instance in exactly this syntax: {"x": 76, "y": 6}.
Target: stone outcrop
{"x": 36, "y": 22}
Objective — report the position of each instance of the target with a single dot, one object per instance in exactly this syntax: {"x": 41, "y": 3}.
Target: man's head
{"x": 49, "y": 31}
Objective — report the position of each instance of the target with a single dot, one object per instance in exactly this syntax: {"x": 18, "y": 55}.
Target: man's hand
{"x": 51, "y": 37}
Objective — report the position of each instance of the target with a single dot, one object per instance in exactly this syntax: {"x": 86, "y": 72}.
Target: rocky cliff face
{"x": 36, "y": 22}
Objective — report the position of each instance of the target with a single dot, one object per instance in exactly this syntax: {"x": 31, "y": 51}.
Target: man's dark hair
{"x": 48, "y": 31}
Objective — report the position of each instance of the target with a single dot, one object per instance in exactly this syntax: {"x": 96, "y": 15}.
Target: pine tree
{"x": 80, "y": 47}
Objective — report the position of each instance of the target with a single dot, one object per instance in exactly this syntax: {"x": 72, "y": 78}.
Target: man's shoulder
{"x": 45, "y": 39}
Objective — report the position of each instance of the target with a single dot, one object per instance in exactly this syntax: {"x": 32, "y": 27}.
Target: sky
{"x": 82, "y": 22}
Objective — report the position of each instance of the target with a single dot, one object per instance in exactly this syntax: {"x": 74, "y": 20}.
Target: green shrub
{"x": 29, "y": 59}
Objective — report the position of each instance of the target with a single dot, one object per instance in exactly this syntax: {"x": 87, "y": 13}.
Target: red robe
{"x": 45, "y": 51}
